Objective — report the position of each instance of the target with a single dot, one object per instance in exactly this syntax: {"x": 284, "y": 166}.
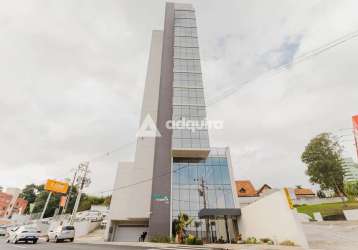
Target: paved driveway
{"x": 332, "y": 235}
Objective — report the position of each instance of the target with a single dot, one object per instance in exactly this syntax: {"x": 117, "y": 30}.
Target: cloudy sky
{"x": 72, "y": 77}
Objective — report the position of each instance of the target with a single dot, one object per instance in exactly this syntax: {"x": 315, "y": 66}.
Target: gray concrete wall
{"x": 159, "y": 223}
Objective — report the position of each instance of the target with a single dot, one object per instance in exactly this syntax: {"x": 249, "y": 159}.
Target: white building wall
{"x": 119, "y": 209}
{"x": 271, "y": 217}
{"x": 132, "y": 189}
{"x": 244, "y": 201}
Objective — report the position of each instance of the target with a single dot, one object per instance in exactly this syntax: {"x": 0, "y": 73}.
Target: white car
{"x": 61, "y": 233}
{"x": 24, "y": 234}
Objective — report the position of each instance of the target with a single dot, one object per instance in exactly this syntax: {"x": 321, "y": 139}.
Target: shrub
{"x": 192, "y": 240}
{"x": 160, "y": 239}
{"x": 251, "y": 240}
{"x": 233, "y": 241}
{"x": 266, "y": 241}
{"x": 287, "y": 243}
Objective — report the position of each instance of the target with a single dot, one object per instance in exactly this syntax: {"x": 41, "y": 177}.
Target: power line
{"x": 228, "y": 92}
{"x": 276, "y": 70}
{"x": 123, "y": 146}
{"x": 142, "y": 181}
{"x": 312, "y": 53}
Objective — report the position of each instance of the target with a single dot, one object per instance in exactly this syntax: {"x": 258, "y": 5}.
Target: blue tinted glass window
{"x": 185, "y": 196}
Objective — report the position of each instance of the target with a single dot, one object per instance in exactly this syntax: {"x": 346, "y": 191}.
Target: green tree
{"x": 29, "y": 194}
{"x": 351, "y": 190}
{"x": 37, "y": 195}
{"x": 107, "y": 201}
{"x": 54, "y": 203}
{"x": 87, "y": 201}
{"x": 180, "y": 224}
{"x": 323, "y": 159}
{"x": 41, "y": 201}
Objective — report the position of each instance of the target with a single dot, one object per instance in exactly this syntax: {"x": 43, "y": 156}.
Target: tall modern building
{"x": 175, "y": 171}
{"x": 350, "y": 170}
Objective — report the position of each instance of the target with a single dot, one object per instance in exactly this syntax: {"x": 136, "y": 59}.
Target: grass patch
{"x": 327, "y": 209}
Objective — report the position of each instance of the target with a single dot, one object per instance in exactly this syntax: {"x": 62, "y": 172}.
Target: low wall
{"x": 82, "y": 227}
{"x": 314, "y": 201}
{"x": 85, "y": 227}
{"x": 271, "y": 217}
{"x": 351, "y": 214}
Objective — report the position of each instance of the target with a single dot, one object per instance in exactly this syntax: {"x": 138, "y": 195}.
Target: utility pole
{"x": 68, "y": 197}
{"x": 83, "y": 181}
{"x": 46, "y": 204}
{"x": 202, "y": 192}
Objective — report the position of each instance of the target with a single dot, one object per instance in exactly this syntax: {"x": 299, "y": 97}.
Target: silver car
{"x": 61, "y": 233}
{"x": 24, "y": 234}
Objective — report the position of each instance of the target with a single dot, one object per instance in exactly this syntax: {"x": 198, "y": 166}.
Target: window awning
{"x": 217, "y": 213}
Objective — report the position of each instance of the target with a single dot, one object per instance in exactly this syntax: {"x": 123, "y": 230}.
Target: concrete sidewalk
{"x": 148, "y": 245}
{"x": 97, "y": 238}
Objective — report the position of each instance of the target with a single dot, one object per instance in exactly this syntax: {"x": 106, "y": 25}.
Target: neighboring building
{"x": 175, "y": 170}
{"x": 245, "y": 188}
{"x": 304, "y": 193}
{"x": 264, "y": 189}
{"x": 350, "y": 170}
{"x": 246, "y": 192}
{"x": 11, "y": 204}
{"x": 20, "y": 206}
{"x": 5, "y": 200}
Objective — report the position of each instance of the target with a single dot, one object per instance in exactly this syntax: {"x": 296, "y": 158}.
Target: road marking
{"x": 19, "y": 246}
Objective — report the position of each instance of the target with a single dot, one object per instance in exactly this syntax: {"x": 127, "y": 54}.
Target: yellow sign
{"x": 288, "y": 196}
{"x": 56, "y": 186}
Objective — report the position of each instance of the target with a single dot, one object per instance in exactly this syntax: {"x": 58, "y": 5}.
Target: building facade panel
{"x": 160, "y": 206}
{"x": 188, "y": 174}
{"x": 188, "y": 92}
{"x": 181, "y": 156}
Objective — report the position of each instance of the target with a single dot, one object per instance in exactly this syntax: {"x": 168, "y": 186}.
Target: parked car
{"x": 24, "y": 234}
{"x": 3, "y": 231}
{"x": 61, "y": 233}
{"x": 89, "y": 215}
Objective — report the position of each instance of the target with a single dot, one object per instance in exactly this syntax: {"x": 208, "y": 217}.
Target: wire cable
{"x": 275, "y": 70}
{"x": 230, "y": 91}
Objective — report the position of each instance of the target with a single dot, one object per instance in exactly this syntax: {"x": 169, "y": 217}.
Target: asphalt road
{"x": 58, "y": 246}
{"x": 74, "y": 246}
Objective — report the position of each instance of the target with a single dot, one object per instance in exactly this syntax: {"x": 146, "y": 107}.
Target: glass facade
{"x": 194, "y": 178}
{"x": 187, "y": 175}
{"x": 188, "y": 92}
